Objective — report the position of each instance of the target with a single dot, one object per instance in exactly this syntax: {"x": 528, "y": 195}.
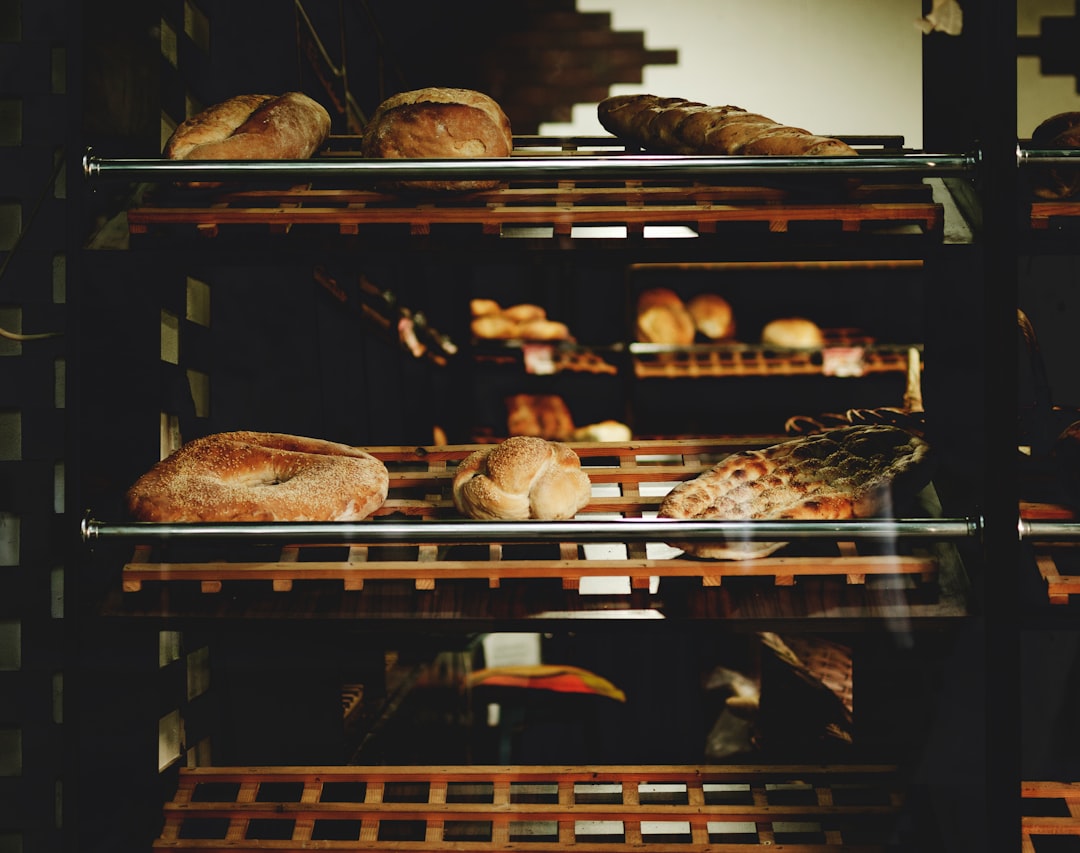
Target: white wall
{"x": 831, "y": 66}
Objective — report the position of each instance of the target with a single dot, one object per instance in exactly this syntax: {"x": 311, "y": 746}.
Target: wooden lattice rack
{"x": 846, "y": 352}
{"x": 629, "y": 481}
{"x": 797, "y": 808}
{"x": 1051, "y": 809}
{"x": 1058, "y": 563}
{"x": 706, "y": 206}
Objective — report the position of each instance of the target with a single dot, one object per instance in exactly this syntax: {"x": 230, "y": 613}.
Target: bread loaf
{"x": 852, "y": 472}
{"x": 438, "y": 123}
{"x": 663, "y": 318}
{"x": 1061, "y": 131}
{"x": 524, "y": 321}
{"x": 712, "y": 316}
{"x": 291, "y": 126}
{"x": 679, "y": 126}
{"x": 792, "y": 333}
{"x": 522, "y": 478}
{"x": 543, "y": 415}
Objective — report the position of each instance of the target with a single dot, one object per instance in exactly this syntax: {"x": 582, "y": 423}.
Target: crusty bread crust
{"x": 258, "y": 476}
{"x": 253, "y": 127}
{"x": 852, "y": 472}
{"x": 524, "y": 477}
{"x": 679, "y": 126}
{"x": 438, "y": 123}
{"x": 1060, "y": 131}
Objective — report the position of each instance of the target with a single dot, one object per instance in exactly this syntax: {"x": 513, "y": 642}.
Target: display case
{"x": 356, "y": 685}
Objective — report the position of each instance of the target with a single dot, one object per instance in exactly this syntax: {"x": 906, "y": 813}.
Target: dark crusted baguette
{"x": 679, "y": 126}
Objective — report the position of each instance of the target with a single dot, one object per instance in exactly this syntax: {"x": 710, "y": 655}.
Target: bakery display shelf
{"x": 418, "y": 536}
{"x": 846, "y": 352}
{"x": 804, "y": 808}
{"x": 551, "y": 190}
{"x": 1050, "y": 811}
{"x": 549, "y": 357}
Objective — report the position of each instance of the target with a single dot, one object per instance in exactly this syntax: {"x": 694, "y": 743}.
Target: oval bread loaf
{"x": 291, "y": 126}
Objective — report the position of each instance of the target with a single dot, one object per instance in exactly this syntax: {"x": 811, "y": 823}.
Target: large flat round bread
{"x": 851, "y": 472}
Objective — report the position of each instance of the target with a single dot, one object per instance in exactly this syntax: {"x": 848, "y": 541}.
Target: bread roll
{"x": 678, "y": 126}
{"x": 792, "y": 333}
{"x": 522, "y": 478}
{"x": 438, "y": 123}
{"x": 1061, "y": 131}
{"x": 291, "y": 126}
{"x": 712, "y": 315}
{"x": 662, "y": 318}
{"x": 541, "y": 415}
{"x": 480, "y": 307}
{"x": 611, "y": 431}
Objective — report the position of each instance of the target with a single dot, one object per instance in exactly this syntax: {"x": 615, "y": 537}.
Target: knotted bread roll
{"x": 523, "y": 477}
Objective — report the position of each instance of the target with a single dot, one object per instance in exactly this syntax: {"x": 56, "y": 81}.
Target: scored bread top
{"x": 850, "y": 472}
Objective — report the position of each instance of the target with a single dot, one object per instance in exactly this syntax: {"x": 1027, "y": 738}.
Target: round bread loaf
{"x": 792, "y": 333}
{"x": 712, "y": 315}
{"x": 1061, "y": 131}
{"x": 662, "y": 318}
{"x": 438, "y": 123}
{"x": 522, "y": 478}
{"x": 259, "y": 476}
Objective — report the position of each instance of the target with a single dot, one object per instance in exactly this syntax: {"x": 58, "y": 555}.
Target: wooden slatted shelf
{"x": 797, "y": 808}
{"x": 635, "y": 204}
{"x": 629, "y": 481}
{"x": 1050, "y": 810}
{"x": 846, "y": 352}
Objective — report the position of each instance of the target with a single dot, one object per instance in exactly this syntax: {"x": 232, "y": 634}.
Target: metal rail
{"x": 1047, "y": 156}
{"x": 376, "y": 531}
{"x": 1040, "y": 530}
{"x": 582, "y": 167}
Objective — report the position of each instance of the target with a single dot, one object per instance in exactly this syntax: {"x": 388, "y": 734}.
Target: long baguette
{"x": 680, "y": 126}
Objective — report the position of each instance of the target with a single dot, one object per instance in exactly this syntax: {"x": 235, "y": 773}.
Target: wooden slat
{"x": 196, "y": 825}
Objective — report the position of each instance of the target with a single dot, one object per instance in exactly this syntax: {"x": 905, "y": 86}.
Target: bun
{"x": 438, "y": 123}
{"x": 523, "y": 477}
{"x": 1061, "y": 131}
{"x": 679, "y": 126}
{"x": 662, "y": 318}
{"x": 260, "y": 476}
{"x": 291, "y": 126}
{"x": 712, "y": 316}
{"x": 523, "y": 321}
{"x": 609, "y": 431}
{"x": 793, "y": 333}
{"x": 543, "y": 415}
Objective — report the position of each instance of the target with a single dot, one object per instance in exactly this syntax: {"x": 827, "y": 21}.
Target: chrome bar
{"x": 1048, "y": 531}
{"x": 576, "y": 530}
{"x": 505, "y": 168}
{"x": 1047, "y": 156}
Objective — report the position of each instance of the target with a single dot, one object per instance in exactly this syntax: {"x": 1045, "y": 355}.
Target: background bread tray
{"x": 616, "y": 808}
{"x": 629, "y": 482}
